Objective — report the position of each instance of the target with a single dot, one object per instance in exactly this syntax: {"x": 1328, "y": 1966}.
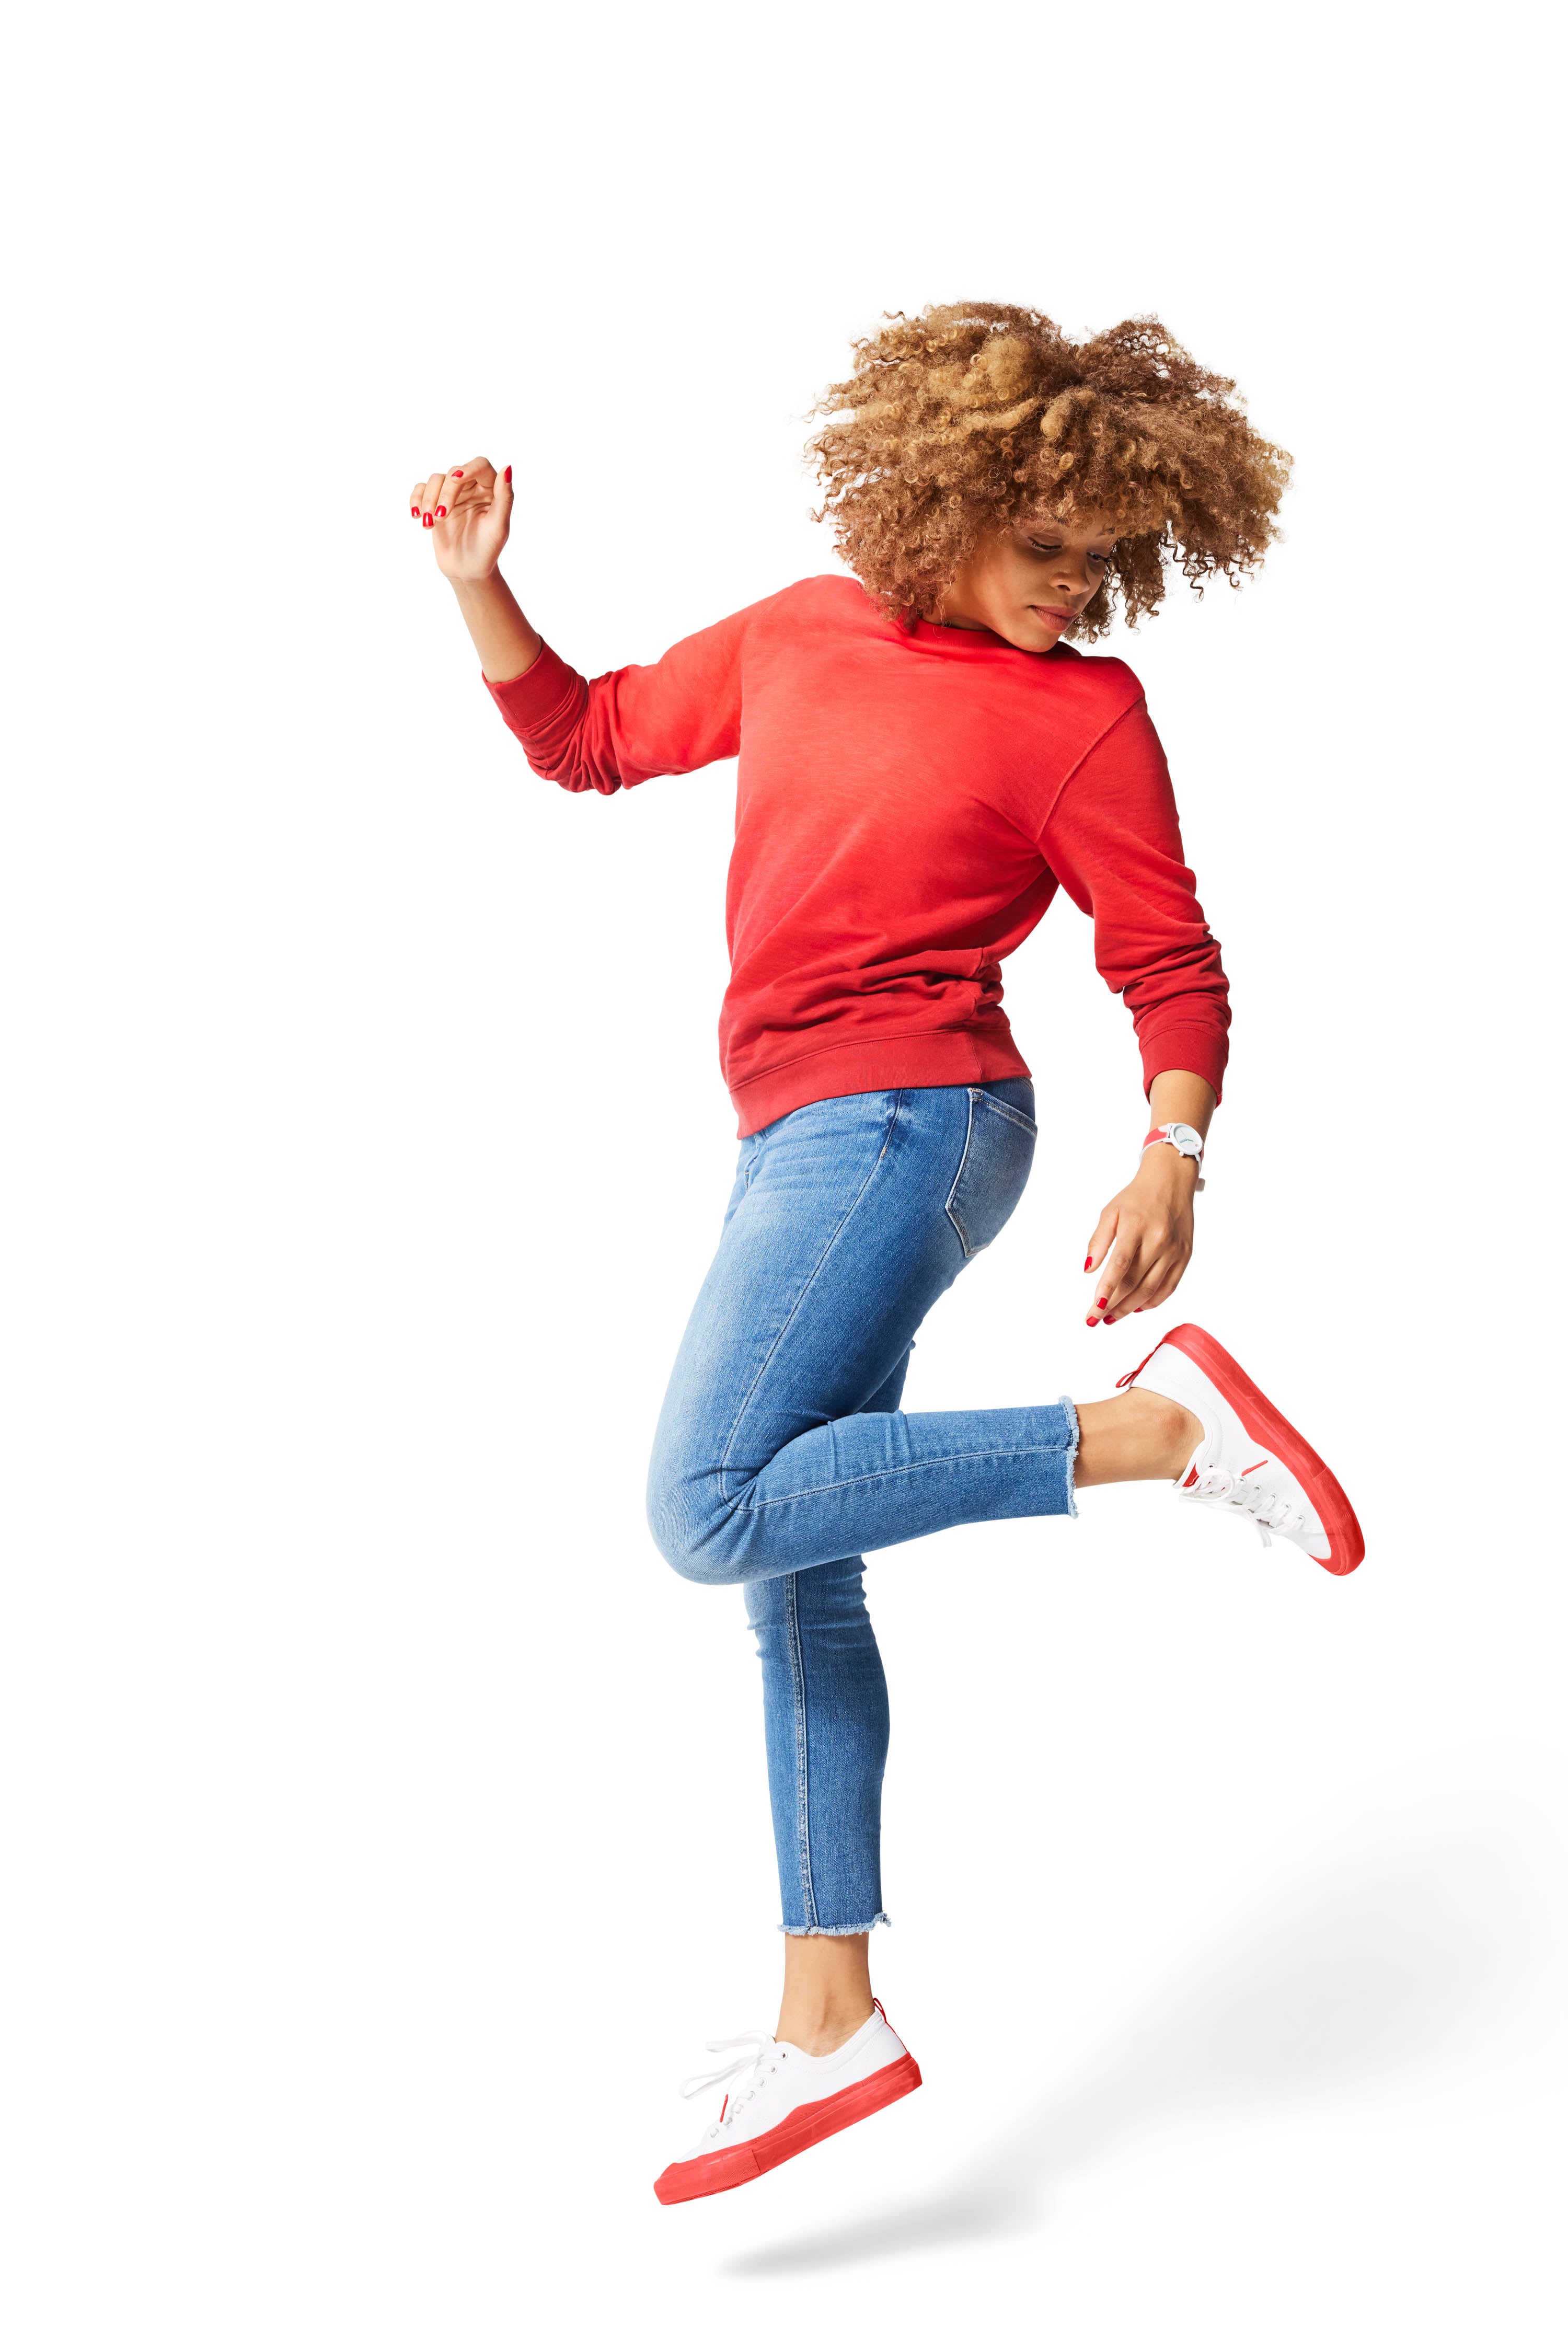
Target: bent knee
{"x": 694, "y": 1526}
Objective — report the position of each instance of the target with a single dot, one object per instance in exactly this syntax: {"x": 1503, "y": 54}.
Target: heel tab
{"x": 1128, "y": 1377}
{"x": 1174, "y": 1337}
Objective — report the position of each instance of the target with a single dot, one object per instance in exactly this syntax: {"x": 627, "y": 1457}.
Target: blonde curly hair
{"x": 959, "y": 422}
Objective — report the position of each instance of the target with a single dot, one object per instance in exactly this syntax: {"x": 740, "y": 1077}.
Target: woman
{"x": 923, "y": 758}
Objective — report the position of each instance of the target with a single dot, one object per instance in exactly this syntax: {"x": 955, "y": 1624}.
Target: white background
{"x": 386, "y": 1826}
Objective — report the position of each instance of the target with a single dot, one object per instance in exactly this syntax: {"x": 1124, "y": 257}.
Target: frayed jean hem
{"x": 881, "y": 1920}
{"x": 1071, "y": 1461}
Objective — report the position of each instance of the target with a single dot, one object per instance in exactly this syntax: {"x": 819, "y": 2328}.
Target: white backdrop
{"x": 385, "y": 1825}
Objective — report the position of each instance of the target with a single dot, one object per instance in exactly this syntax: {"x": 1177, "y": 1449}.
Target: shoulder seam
{"x": 1110, "y": 726}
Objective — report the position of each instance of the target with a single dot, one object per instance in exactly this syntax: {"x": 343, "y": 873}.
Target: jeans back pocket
{"x": 998, "y": 1150}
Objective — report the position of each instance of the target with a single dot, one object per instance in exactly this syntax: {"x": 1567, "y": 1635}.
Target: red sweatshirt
{"x": 909, "y": 803}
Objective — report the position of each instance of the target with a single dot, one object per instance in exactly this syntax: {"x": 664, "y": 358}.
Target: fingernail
{"x": 457, "y": 473}
{"x": 1088, "y": 1261}
{"x": 1109, "y": 1320}
{"x": 1102, "y": 1302}
{"x": 508, "y": 474}
{"x": 414, "y": 512}
{"x": 430, "y": 522}
{"x": 440, "y": 511}
{"x": 1091, "y": 1320}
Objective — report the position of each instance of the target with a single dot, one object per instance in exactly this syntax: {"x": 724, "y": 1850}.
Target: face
{"x": 1030, "y": 580}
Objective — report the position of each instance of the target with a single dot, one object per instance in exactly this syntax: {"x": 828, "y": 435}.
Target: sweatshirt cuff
{"x": 529, "y": 702}
{"x": 1203, "y": 1050}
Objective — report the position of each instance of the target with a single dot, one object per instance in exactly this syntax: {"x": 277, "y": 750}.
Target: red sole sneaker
{"x": 732, "y": 2166}
{"x": 1264, "y": 1421}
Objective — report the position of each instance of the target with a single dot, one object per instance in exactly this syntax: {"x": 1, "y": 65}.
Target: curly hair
{"x": 956, "y": 422}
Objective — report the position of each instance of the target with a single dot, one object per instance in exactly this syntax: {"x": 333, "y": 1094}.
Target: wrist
{"x": 1164, "y": 1165}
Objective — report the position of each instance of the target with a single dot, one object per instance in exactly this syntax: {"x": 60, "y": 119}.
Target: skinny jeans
{"x": 781, "y": 1454}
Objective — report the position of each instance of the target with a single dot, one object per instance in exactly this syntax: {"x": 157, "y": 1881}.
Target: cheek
{"x": 1020, "y": 576}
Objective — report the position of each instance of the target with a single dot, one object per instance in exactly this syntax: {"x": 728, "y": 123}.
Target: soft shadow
{"x": 1371, "y": 1965}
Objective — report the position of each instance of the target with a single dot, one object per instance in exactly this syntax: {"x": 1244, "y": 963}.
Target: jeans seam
{"x": 802, "y": 1767}
{"x": 907, "y": 1469}
{"x": 952, "y": 1217}
{"x": 803, "y": 1294}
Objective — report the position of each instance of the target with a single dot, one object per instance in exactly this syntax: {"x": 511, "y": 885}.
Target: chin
{"x": 1034, "y": 636}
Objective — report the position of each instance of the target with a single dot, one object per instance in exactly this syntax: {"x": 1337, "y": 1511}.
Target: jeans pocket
{"x": 999, "y": 1150}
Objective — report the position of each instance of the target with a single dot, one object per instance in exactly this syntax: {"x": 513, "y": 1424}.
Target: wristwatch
{"x": 1185, "y": 1139}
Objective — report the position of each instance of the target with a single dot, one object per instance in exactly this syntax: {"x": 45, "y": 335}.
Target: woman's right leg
{"x": 825, "y": 1719}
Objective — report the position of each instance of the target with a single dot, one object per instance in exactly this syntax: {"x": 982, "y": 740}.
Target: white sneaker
{"x": 787, "y": 2102}
{"x": 1251, "y": 1461}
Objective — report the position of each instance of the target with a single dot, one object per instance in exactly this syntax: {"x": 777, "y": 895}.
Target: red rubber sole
{"x": 1264, "y": 1421}
{"x": 710, "y": 2174}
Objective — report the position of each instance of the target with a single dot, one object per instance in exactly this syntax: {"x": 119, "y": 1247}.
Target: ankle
{"x": 1175, "y": 1435}
{"x": 819, "y": 2032}
{"x": 1137, "y": 1434}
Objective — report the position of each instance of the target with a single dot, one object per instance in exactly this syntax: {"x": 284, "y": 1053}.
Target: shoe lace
{"x": 755, "y": 2046}
{"x": 1266, "y": 1510}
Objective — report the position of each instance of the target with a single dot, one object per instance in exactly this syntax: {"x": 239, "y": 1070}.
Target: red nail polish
{"x": 457, "y": 473}
{"x": 1087, "y": 1263}
{"x": 414, "y": 512}
{"x": 508, "y": 474}
{"x": 440, "y": 513}
{"x": 1102, "y": 1302}
{"x": 1109, "y": 1320}
{"x": 430, "y": 522}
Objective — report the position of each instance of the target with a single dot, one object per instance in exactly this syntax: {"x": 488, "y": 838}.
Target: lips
{"x": 1061, "y": 613}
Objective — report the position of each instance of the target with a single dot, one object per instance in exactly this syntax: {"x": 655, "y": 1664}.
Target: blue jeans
{"x": 781, "y": 1454}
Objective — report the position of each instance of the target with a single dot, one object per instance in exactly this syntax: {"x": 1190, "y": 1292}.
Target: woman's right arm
{"x": 470, "y": 512}
{"x": 664, "y": 718}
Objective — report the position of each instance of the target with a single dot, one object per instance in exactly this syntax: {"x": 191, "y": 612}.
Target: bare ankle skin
{"x": 827, "y": 1991}
{"x": 1135, "y": 1435}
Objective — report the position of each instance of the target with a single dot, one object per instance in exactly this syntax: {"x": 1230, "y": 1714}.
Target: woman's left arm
{"x": 1113, "y": 838}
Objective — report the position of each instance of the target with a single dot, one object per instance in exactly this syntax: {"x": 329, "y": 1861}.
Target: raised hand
{"x": 468, "y": 513}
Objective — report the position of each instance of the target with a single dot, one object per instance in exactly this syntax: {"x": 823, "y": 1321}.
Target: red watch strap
{"x": 1162, "y": 1134}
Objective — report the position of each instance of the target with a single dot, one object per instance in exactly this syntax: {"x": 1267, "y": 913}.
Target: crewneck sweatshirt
{"x": 909, "y": 799}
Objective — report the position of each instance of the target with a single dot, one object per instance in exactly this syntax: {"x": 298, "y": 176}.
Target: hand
{"x": 468, "y": 513}
{"x": 1142, "y": 1243}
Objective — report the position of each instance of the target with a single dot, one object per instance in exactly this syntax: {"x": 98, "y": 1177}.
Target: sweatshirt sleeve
{"x": 1113, "y": 840}
{"x": 663, "y": 719}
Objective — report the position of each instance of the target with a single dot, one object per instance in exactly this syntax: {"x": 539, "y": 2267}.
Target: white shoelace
{"x": 1265, "y": 1509}
{"x": 756, "y": 2045}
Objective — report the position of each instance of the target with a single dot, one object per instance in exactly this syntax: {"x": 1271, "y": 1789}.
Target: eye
{"x": 1043, "y": 547}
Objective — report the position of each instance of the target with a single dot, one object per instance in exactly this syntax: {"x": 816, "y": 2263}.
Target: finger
{"x": 1169, "y": 1279}
{"x": 1100, "y": 1239}
{"x": 1130, "y": 1266}
{"x": 1156, "y": 1280}
{"x": 1119, "y": 1262}
{"x": 416, "y": 500}
{"x": 466, "y": 487}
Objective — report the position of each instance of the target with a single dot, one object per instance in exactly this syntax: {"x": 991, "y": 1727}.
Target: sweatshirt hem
{"x": 928, "y": 1057}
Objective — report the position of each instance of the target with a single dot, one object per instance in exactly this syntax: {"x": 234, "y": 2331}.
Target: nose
{"x": 1069, "y": 574}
